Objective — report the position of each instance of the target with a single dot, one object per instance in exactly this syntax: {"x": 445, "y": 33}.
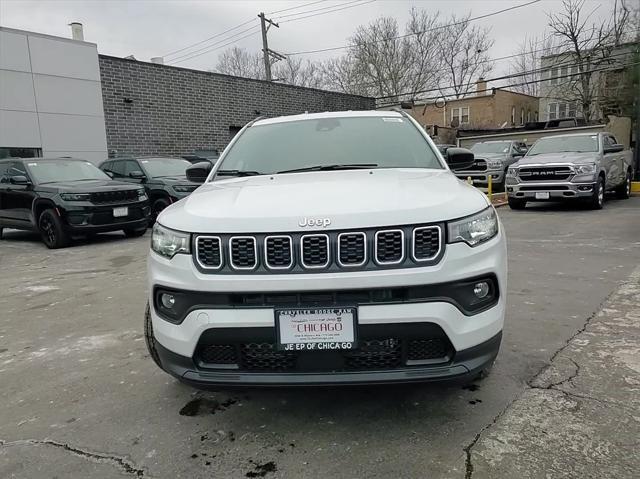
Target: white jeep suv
{"x": 331, "y": 248}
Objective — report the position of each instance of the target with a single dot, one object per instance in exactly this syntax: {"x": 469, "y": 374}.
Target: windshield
{"x": 349, "y": 142}
{"x": 493, "y": 147}
{"x": 64, "y": 170}
{"x": 560, "y": 144}
{"x": 159, "y": 167}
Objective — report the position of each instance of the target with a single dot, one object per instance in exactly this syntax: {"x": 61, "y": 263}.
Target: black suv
{"x": 63, "y": 198}
{"x": 163, "y": 178}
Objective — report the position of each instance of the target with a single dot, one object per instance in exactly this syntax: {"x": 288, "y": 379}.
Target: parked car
{"x": 576, "y": 166}
{"x": 350, "y": 255}
{"x": 203, "y": 155}
{"x": 63, "y": 198}
{"x": 164, "y": 179}
{"x": 492, "y": 158}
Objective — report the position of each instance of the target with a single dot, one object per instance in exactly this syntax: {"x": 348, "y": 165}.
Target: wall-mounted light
{"x": 126, "y": 99}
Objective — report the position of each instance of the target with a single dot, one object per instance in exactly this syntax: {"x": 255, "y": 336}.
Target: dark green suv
{"x": 164, "y": 178}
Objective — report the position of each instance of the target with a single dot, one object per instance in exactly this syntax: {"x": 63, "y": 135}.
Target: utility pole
{"x": 266, "y": 23}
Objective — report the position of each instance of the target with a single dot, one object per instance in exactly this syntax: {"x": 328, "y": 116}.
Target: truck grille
{"x": 478, "y": 165}
{"x": 546, "y": 173}
{"x": 370, "y": 249}
{"x": 117, "y": 196}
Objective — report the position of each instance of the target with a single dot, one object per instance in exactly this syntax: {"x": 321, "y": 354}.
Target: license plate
{"x": 542, "y": 195}
{"x": 316, "y": 329}
{"x": 119, "y": 212}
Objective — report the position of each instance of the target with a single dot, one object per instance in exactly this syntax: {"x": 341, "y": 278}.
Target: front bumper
{"x": 86, "y": 218}
{"x": 482, "y": 178}
{"x": 180, "y": 343}
{"x": 556, "y": 190}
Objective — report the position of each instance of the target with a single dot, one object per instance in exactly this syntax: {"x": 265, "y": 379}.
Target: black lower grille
{"x": 379, "y": 353}
{"x": 102, "y": 218}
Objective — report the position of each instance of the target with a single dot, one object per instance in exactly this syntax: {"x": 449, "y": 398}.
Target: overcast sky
{"x": 147, "y": 28}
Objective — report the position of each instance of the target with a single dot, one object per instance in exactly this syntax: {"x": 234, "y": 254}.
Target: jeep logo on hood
{"x": 324, "y": 222}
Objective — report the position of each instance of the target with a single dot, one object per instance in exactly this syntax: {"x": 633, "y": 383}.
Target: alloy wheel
{"x": 48, "y": 229}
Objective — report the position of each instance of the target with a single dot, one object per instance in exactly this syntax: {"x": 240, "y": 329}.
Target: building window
{"x": 513, "y": 115}
{"x": 528, "y": 116}
{"x": 522, "y": 116}
{"x": 560, "y": 110}
{"x": 535, "y": 116}
{"x": 20, "y": 152}
{"x": 461, "y": 114}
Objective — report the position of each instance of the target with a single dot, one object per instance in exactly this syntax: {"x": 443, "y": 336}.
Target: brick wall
{"x": 154, "y": 109}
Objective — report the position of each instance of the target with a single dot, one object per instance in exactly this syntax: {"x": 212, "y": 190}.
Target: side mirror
{"x": 614, "y": 148}
{"x": 459, "y": 158}
{"x": 137, "y": 175}
{"x": 19, "y": 180}
{"x": 199, "y": 171}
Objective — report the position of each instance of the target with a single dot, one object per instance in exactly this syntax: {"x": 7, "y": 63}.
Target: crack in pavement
{"x": 124, "y": 464}
{"x": 467, "y": 449}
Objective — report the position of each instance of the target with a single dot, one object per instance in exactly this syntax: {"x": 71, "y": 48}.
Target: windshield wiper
{"x": 237, "y": 173}
{"x": 352, "y": 166}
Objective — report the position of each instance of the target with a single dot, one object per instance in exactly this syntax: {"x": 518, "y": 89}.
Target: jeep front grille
{"x": 331, "y": 251}
{"x": 114, "y": 196}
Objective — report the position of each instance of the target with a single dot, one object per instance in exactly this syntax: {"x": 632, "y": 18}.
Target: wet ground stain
{"x": 470, "y": 387}
{"x": 202, "y": 406}
{"x": 120, "y": 261}
{"x": 261, "y": 470}
{"x": 3, "y": 350}
{"x": 475, "y": 401}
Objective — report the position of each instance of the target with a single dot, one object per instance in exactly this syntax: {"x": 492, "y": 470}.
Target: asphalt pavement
{"x": 81, "y": 398}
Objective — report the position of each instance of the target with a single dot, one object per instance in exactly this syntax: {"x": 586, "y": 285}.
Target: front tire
{"x": 52, "y": 230}
{"x": 624, "y": 190}
{"x": 157, "y": 207}
{"x": 516, "y": 203}
{"x": 596, "y": 201}
{"x": 149, "y": 338}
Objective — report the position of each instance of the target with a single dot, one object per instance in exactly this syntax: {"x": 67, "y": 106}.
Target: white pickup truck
{"x": 577, "y": 166}
{"x": 328, "y": 248}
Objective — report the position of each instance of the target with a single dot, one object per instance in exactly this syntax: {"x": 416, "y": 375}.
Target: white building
{"x": 50, "y": 97}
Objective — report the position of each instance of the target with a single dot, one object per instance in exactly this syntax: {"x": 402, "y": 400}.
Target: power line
{"x": 296, "y": 7}
{"x": 318, "y": 9}
{"x": 330, "y": 11}
{"x": 419, "y": 33}
{"x": 207, "y": 39}
{"x": 507, "y": 77}
{"x": 215, "y": 48}
{"x": 559, "y": 77}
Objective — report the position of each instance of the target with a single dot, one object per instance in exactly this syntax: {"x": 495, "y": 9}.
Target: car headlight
{"x": 169, "y": 243}
{"x": 142, "y": 194}
{"x": 585, "y": 169}
{"x": 494, "y": 164}
{"x": 183, "y": 189}
{"x": 474, "y": 229}
{"x": 75, "y": 196}
{"x": 512, "y": 172}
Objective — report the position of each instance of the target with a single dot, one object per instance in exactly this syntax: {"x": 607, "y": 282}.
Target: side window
{"x": 606, "y": 141}
{"x": 129, "y": 166}
{"x": 117, "y": 168}
{"x": 613, "y": 140}
{"x": 17, "y": 169}
{"x": 106, "y": 166}
{"x": 3, "y": 172}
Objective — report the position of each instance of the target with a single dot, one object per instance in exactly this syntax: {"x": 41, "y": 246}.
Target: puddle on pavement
{"x": 261, "y": 470}
{"x": 202, "y": 406}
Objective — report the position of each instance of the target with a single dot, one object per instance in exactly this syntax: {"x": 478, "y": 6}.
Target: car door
{"x": 17, "y": 199}
{"x": 4, "y": 188}
{"x": 611, "y": 162}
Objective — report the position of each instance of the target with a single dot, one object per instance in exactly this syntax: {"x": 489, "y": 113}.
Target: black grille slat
{"x": 478, "y": 165}
{"x": 375, "y": 354}
{"x": 547, "y": 173}
{"x": 352, "y": 249}
{"x": 278, "y": 252}
{"x": 315, "y": 251}
{"x": 425, "y": 349}
{"x": 426, "y": 243}
{"x": 265, "y": 357}
{"x": 243, "y": 252}
{"x": 389, "y": 246}
{"x": 209, "y": 252}
{"x": 111, "y": 197}
{"x": 219, "y": 354}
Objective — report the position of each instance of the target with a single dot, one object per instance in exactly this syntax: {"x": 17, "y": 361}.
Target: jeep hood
{"x": 350, "y": 199}
{"x": 565, "y": 157}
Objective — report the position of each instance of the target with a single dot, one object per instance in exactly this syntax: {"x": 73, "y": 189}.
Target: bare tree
{"x": 295, "y": 71}
{"x": 382, "y": 62}
{"x": 527, "y": 59}
{"x": 588, "y": 44}
{"x": 239, "y": 62}
{"x": 464, "y": 52}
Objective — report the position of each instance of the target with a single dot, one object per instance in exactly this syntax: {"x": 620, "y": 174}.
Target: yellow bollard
{"x": 489, "y": 185}
{"x": 469, "y": 180}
